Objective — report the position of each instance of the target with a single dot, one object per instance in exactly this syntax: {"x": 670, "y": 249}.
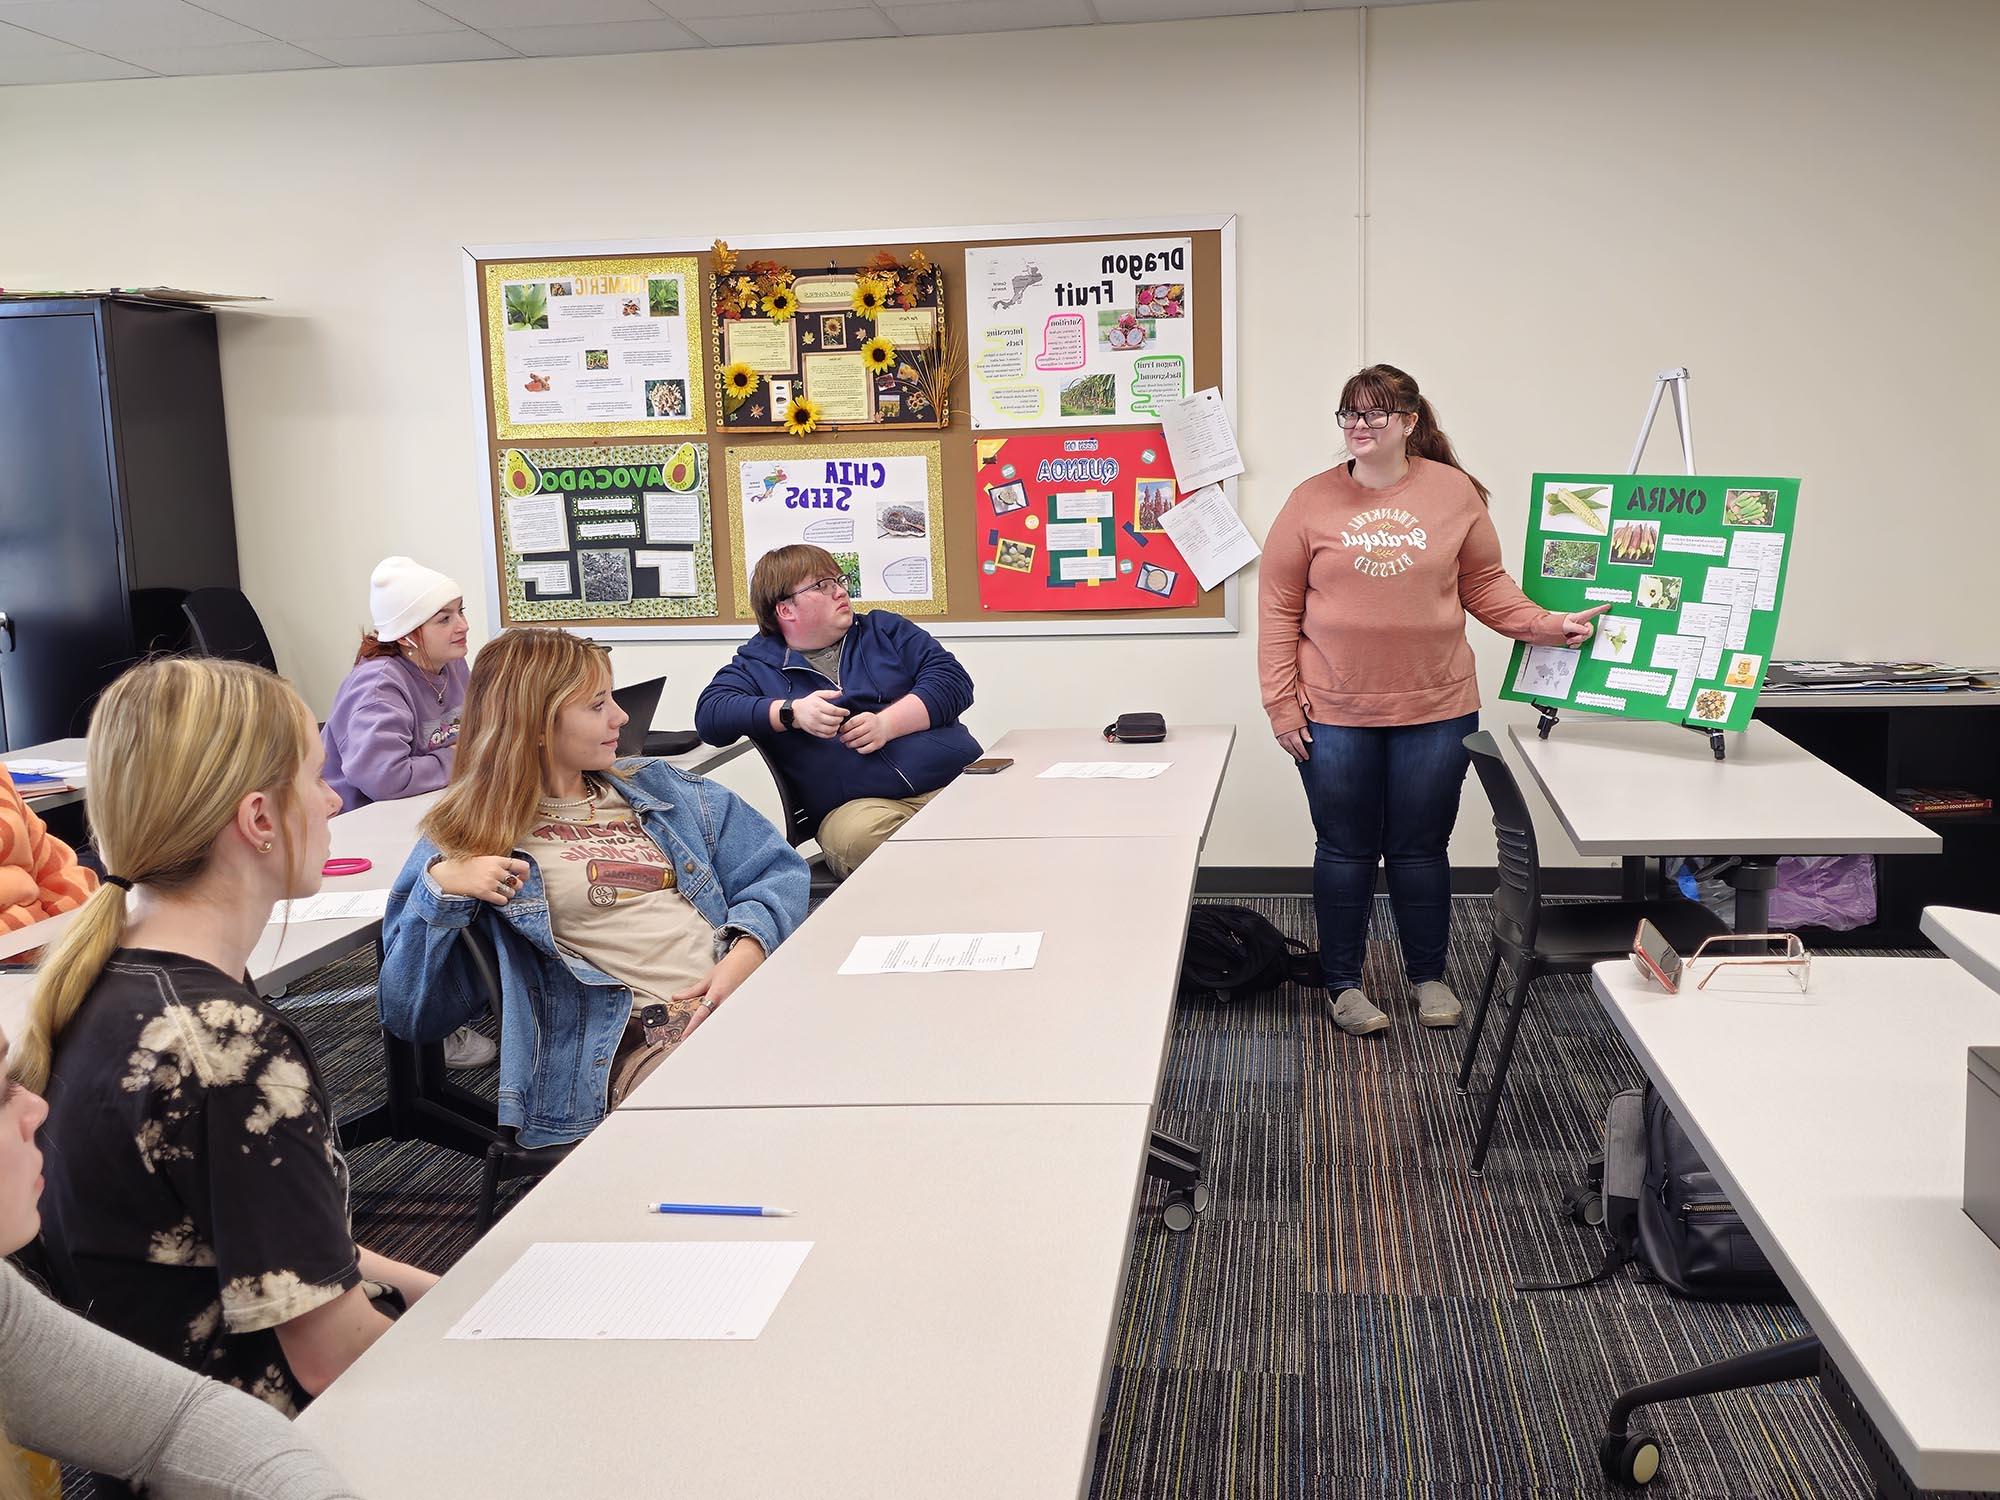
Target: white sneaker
{"x": 466, "y": 1048}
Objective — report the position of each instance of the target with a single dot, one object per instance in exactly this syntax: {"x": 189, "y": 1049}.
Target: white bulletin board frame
{"x": 1084, "y": 625}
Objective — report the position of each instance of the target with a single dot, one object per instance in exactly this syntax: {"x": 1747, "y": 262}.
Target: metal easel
{"x": 1678, "y": 379}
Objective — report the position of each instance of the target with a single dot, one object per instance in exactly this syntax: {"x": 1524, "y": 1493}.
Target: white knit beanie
{"x": 403, "y": 594}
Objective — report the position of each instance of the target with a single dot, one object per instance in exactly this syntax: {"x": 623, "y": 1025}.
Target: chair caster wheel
{"x": 1202, "y": 1197}
{"x": 1628, "y": 1459}
{"x": 1178, "y": 1213}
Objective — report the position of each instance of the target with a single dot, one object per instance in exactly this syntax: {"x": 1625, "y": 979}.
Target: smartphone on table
{"x": 1656, "y": 958}
{"x": 988, "y": 765}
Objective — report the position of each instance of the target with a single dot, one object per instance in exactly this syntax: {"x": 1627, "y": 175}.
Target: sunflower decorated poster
{"x": 803, "y": 350}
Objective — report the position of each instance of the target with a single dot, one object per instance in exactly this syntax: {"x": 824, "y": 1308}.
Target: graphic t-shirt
{"x": 615, "y": 901}
{"x": 195, "y": 1198}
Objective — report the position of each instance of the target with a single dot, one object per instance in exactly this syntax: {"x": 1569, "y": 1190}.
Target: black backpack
{"x": 1233, "y": 951}
{"x": 1662, "y": 1210}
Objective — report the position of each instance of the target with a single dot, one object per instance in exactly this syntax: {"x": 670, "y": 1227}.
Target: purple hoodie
{"x": 388, "y": 735}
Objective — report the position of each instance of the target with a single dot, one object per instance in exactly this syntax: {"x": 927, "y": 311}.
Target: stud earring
{"x": 265, "y": 847}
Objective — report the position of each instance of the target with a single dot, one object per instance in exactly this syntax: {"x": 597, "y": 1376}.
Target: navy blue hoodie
{"x": 883, "y": 657}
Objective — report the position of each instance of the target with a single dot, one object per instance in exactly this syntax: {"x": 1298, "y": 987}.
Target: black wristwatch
{"x": 785, "y": 713}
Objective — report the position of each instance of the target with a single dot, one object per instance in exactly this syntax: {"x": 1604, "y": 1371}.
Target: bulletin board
{"x": 622, "y": 498}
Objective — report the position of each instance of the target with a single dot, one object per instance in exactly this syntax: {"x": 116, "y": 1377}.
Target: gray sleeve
{"x": 86, "y": 1397}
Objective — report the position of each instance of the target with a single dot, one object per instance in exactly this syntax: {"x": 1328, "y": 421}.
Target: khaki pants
{"x": 854, "y": 830}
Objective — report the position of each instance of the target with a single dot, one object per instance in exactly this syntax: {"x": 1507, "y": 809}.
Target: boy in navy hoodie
{"x": 860, "y": 712}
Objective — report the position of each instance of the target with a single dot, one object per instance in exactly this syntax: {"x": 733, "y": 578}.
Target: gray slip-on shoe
{"x": 1355, "y": 1014}
{"x": 1437, "y": 1005}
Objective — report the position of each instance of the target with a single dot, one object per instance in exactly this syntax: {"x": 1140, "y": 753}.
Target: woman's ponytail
{"x": 64, "y": 977}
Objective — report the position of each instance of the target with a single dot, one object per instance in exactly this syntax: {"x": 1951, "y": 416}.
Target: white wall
{"x": 1794, "y": 197}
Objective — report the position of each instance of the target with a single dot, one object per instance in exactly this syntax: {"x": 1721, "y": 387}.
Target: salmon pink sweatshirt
{"x": 1362, "y": 597}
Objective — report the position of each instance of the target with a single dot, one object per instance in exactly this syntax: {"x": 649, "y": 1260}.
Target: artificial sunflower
{"x": 870, "y": 296}
{"x": 781, "y": 304}
{"x": 801, "y": 417}
{"x": 879, "y": 355}
{"x": 739, "y": 381}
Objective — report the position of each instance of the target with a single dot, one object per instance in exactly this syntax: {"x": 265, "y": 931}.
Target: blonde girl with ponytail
{"x": 196, "y": 1198}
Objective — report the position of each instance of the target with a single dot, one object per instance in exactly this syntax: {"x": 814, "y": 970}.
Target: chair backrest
{"x": 479, "y": 952}
{"x": 1517, "y": 900}
{"x": 641, "y": 700}
{"x": 799, "y": 825}
{"x": 222, "y": 623}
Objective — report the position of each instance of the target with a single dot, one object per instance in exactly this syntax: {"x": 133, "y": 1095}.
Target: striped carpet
{"x": 1341, "y": 1322}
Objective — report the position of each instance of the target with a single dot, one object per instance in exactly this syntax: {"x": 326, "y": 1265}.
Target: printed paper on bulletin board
{"x": 1066, "y": 334}
{"x": 1693, "y": 568}
{"x": 1071, "y": 521}
{"x": 605, "y": 347}
{"x": 877, "y": 507}
{"x": 606, "y": 533}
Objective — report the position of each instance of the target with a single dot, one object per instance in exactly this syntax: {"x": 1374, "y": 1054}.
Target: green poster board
{"x": 1693, "y": 567}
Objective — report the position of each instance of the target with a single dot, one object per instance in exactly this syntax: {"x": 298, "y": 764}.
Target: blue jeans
{"x": 1388, "y": 794}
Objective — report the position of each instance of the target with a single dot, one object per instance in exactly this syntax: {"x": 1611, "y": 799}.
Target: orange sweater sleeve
{"x": 1281, "y": 608}
{"x": 1490, "y": 594}
{"x": 39, "y": 875}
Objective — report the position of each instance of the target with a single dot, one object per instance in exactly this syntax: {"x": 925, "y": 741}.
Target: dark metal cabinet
{"x": 114, "y": 496}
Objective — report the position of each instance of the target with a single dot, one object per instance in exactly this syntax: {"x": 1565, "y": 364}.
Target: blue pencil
{"x": 737, "y": 1210}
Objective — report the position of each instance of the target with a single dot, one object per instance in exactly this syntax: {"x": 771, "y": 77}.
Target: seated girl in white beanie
{"x": 394, "y": 726}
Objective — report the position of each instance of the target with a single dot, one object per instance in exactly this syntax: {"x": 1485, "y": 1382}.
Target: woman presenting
{"x": 1368, "y": 574}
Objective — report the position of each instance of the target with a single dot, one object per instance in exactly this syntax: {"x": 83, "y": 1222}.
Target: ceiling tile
{"x": 301, "y": 20}
{"x": 962, "y": 16}
{"x": 17, "y": 45}
{"x": 1117, "y": 11}
{"x": 115, "y": 27}
{"x": 232, "y": 57}
{"x": 388, "y": 51}
{"x": 63, "y": 67}
{"x": 607, "y": 40}
{"x": 807, "y": 26}
{"x": 695, "y": 10}
{"x": 486, "y": 15}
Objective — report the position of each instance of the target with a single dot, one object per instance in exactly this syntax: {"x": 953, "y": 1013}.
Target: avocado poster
{"x": 878, "y": 508}
{"x": 596, "y": 347}
{"x": 1693, "y": 567}
{"x": 612, "y": 533}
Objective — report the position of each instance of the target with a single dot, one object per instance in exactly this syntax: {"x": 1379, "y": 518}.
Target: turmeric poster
{"x": 1693, "y": 568}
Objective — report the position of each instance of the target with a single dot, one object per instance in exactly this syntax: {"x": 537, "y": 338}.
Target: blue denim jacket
{"x": 561, "y": 1018}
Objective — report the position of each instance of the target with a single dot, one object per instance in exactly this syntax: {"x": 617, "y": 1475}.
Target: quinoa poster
{"x": 1071, "y": 521}
{"x": 1069, "y": 335}
{"x": 877, "y": 507}
{"x": 1694, "y": 569}
{"x": 594, "y": 348}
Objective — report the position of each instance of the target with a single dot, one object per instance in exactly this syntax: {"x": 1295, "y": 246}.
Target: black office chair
{"x": 1534, "y": 939}
{"x": 506, "y": 1158}
{"x": 799, "y": 826}
{"x": 222, "y": 623}
{"x": 641, "y": 701}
